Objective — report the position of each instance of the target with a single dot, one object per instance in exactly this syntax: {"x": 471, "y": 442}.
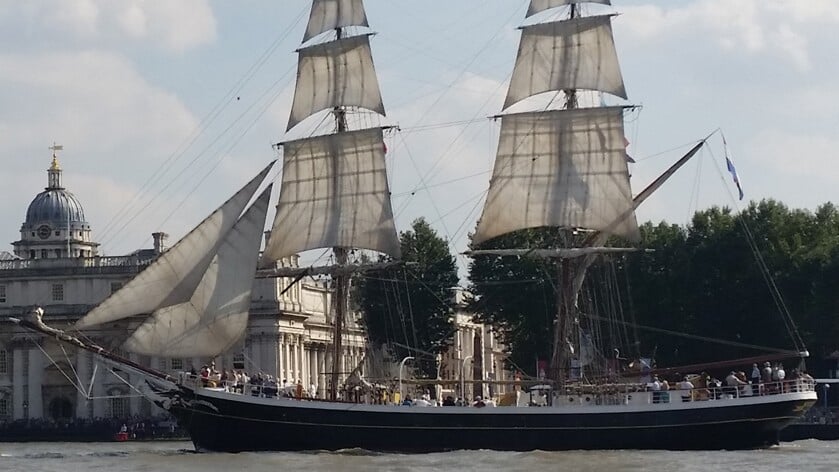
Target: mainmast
{"x": 334, "y": 191}
{"x": 342, "y": 281}
{"x": 563, "y": 168}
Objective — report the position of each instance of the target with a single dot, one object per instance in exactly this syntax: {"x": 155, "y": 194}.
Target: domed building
{"x": 55, "y": 225}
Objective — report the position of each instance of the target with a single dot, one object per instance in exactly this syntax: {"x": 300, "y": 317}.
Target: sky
{"x": 166, "y": 108}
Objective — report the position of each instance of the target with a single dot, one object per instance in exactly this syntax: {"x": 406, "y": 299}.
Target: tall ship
{"x": 560, "y": 166}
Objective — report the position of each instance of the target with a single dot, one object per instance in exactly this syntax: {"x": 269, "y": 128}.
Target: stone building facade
{"x": 56, "y": 266}
{"x": 476, "y": 357}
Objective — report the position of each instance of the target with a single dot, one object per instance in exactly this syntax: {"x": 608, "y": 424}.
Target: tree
{"x": 517, "y": 296}
{"x": 409, "y": 310}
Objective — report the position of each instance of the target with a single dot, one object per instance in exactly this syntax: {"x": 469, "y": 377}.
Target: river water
{"x": 801, "y": 456}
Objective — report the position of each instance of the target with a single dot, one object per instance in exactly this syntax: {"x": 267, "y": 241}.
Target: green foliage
{"x": 517, "y": 295}
{"x": 413, "y": 304}
{"x": 704, "y": 279}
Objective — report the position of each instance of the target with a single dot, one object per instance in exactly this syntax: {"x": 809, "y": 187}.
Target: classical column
{"x": 331, "y": 365}
{"x": 287, "y": 359}
{"x": 321, "y": 355}
{"x": 36, "y": 378}
{"x": 313, "y": 368}
{"x": 301, "y": 362}
{"x": 83, "y": 370}
{"x": 280, "y": 357}
{"x": 18, "y": 381}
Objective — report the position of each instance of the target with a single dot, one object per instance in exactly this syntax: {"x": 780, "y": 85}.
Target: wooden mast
{"x": 340, "y": 303}
{"x": 565, "y": 296}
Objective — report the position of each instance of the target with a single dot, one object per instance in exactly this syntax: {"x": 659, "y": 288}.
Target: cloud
{"x": 112, "y": 122}
{"x": 175, "y": 26}
{"x": 761, "y": 28}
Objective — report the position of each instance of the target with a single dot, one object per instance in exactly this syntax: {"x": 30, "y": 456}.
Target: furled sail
{"x": 328, "y": 15}
{"x": 335, "y": 73}
{"x": 334, "y": 193}
{"x": 561, "y": 168}
{"x": 173, "y": 277}
{"x": 216, "y": 315}
{"x": 566, "y": 55}
{"x": 537, "y": 6}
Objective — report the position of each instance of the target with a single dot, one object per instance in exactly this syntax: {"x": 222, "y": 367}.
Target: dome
{"x": 54, "y": 205}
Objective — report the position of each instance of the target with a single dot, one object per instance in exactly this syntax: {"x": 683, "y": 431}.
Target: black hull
{"x": 800, "y": 431}
{"x": 226, "y": 423}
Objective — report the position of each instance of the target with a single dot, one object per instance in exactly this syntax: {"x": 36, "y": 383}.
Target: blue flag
{"x": 734, "y": 175}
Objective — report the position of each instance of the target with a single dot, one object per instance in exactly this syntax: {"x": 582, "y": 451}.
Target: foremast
{"x": 334, "y": 191}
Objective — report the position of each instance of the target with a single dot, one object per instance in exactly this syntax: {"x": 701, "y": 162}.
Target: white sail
{"x": 336, "y": 73}
{"x": 537, "y": 6}
{"x": 566, "y": 55}
{"x": 216, "y": 315}
{"x": 173, "y": 276}
{"x": 332, "y": 14}
{"x": 334, "y": 193}
{"x": 562, "y": 168}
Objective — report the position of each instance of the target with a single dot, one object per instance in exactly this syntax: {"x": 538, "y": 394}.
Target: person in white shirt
{"x": 686, "y": 386}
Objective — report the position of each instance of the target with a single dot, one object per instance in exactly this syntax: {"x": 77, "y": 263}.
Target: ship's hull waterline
{"x": 219, "y": 421}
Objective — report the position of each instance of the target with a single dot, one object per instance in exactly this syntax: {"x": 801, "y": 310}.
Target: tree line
{"x": 714, "y": 278}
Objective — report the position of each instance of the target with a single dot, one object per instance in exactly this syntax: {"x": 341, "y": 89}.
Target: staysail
{"x": 216, "y": 315}
{"x": 173, "y": 277}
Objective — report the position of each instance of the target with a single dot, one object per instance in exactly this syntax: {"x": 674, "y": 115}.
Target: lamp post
{"x": 463, "y": 376}
{"x": 401, "y": 365}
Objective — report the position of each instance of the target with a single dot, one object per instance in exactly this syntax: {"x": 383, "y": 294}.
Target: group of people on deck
{"x": 766, "y": 381}
{"x": 258, "y": 385}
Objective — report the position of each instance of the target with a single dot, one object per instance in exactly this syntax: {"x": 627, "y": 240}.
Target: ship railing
{"x": 748, "y": 390}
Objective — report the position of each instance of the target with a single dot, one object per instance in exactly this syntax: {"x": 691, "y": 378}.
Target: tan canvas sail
{"x": 334, "y": 193}
{"x": 566, "y": 55}
{"x": 216, "y": 315}
{"x": 537, "y": 6}
{"x": 173, "y": 277}
{"x": 563, "y": 168}
{"x": 328, "y": 15}
{"x": 336, "y": 73}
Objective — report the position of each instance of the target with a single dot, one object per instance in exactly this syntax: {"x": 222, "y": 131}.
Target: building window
{"x": 4, "y": 407}
{"x": 4, "y": 364}
{"x": 43, "y": 253}
{"x": 118, "y": 407}
{"x": 58, "y": 253}
{"x": 239, "y": 360}
{"x": 177, "y": 365}
{"x": 58, "y": 233}
{"x": 2, "y": 294}
{"x": 58, "y": 292}
{"x": 32, "y": 254}
{"x": 115, "y": 286}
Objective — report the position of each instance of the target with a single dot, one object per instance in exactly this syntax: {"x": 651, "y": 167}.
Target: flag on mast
{"x": 731, "y": 169}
